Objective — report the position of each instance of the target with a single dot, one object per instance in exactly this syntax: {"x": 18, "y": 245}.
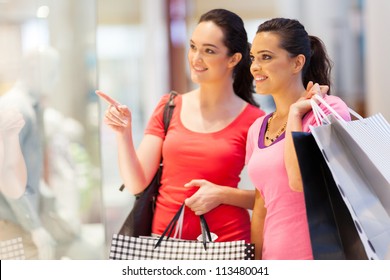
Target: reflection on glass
{"x": 49, "y": 78}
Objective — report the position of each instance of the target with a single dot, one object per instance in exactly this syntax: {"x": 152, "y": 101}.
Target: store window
{"x": 54, "y": 54}
{"x": 48, "y": 74}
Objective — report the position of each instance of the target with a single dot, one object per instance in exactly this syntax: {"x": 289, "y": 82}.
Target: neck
{"x": 284, "y": 100}
{"x": 216, "y": 95}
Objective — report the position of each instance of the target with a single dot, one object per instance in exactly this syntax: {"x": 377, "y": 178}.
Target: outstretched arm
{"x": 137, "y": 167}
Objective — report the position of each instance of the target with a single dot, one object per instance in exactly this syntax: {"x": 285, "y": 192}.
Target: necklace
{"x": 281, "y": 130}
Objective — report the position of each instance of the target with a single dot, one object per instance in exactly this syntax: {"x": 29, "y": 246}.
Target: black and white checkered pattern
{"x": 12, "y": 249}
{"x": 142, "y": 248}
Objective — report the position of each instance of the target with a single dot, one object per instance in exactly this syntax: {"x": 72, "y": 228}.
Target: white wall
{"x": 377, "y": 57}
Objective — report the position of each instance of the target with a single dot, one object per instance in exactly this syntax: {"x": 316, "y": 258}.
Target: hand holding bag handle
{"x": 319, "y": 114}
{"x": 177, "y": 221}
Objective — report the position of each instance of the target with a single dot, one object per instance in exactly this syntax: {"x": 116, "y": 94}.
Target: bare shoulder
{"x": 189, "y": 99}
{"x": 190, "y": 94}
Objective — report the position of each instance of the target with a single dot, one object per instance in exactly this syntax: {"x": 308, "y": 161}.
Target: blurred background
{"x": 135, "y": 50}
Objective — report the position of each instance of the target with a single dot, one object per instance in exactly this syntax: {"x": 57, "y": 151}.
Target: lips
{"x": 259, "y": 78}
{"x": 199, "y": 68}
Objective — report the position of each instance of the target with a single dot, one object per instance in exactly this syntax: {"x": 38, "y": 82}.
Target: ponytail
{"x": 243, "y": 79}
{"x": 319, "y": 66}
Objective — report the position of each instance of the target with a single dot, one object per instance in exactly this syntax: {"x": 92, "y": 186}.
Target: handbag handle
{"x": 168, "y": 110}
{"x": 320, "y": 115}
{"x": 178, "y": 217}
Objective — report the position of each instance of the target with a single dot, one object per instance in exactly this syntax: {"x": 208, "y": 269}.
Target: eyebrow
{"x": 206, "y": 45}
{"x": 263, "y": 51}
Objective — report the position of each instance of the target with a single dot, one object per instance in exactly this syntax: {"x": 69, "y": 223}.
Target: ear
{"x": 235, "y": 59}
{"x": 299, "y": 62}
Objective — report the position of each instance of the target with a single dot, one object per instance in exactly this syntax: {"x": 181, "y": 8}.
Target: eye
{"x": 209, "y": 51}
{"x": 266, "y": 57}
{"x": 252, "y": 58}
{"x": 192, "y": 47}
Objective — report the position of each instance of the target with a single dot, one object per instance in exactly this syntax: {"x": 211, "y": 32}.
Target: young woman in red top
{"x": 204, "y": 149}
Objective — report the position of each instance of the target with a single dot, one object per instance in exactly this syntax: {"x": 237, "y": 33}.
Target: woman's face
{"x": 208, "y": 56}
{"x": 272, "y": 66}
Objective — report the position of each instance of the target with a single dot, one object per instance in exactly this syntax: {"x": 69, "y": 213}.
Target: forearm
{"x": 129, "y": 165}
{"x": 291, "y": 161}
{"x": 238, "y": 197}
{"x": 257, "y": 225}
{"x": 138, "y": 167}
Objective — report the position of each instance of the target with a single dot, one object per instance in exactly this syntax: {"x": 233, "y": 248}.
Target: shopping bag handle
{"x": 205, "y": 231}
{"x": 320, "y": 115}
{"x": 177, "y": 221}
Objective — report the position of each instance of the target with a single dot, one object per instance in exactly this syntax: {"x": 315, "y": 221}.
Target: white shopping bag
{"x": 358, "y": 155}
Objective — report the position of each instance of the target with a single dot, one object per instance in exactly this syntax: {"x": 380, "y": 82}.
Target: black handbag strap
{"x": 169, "y": 229}
{"x": 168, "y": 110}
{"x": 205, "y": 231}
{"x": 167, "y": 116}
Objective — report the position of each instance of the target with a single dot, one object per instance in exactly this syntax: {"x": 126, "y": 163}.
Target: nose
{"x": 196, "y": 56}
{"x": 256, "y": 62}
{"x": 255, "y": 66}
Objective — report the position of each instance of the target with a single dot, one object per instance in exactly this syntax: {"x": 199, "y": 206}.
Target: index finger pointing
{"x": 107, "y": 98}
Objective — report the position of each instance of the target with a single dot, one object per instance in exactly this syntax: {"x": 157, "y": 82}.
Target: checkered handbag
{"x": 12, "y": 249}
{"x": 157, "y": 248}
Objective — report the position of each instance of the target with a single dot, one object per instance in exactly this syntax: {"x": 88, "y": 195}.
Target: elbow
{"x": 294, "y": 179}
{"x": 296, "y": 184}
{"x": 132, "y": 190}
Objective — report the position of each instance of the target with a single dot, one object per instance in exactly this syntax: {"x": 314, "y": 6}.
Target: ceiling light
{"x": 43, "y": 12}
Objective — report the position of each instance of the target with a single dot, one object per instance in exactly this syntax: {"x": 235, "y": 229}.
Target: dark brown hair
{"x": 295, "y": 40}
{"x": 236, "y": 40}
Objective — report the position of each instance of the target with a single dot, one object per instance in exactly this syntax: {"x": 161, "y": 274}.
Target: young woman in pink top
{"x": 204, "y": 149}
{"x": 284, "y": 59}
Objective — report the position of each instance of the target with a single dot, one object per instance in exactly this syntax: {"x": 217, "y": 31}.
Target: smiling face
{"x": 208, "y": 56}
{"x": 272, "y": 67}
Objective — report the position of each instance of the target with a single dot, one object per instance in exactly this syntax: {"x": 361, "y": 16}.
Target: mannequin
{"x": 61, "y": 190}
{"x": 13, "y": 173}
{"x": 19, "y": 216}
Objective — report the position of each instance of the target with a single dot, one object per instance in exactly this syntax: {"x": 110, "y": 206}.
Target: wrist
{"x": 225, "y": 193}
{"x": 295, "y": 113}
{"x": 126, "y": 135}
{"x": 294, "y": 120}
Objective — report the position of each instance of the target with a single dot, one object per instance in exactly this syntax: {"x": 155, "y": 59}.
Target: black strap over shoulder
{"x": 168, "y": 110}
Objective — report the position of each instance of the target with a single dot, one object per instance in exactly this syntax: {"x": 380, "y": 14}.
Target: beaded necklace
{"x": 281, "y": 130}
